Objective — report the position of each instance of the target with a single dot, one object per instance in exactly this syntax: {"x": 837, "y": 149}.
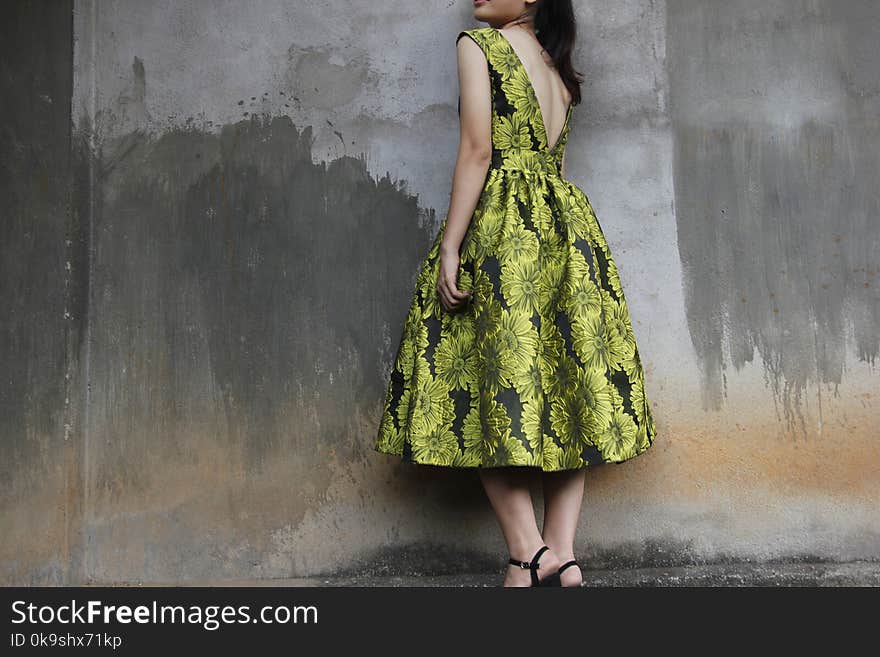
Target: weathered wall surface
{"x": 43, "y": 290}
{"x": 211, "y": 236}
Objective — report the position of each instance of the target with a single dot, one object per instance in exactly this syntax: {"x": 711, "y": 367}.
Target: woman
{"x": 518, "y": 353}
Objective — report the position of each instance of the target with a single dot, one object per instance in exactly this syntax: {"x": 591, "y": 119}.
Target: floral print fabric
{"x": 540, "y": 367}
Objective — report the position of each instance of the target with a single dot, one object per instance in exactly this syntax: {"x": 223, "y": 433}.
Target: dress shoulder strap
{"x": 479, "y": 35}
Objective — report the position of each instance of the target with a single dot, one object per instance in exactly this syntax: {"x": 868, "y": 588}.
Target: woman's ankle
{"x": 563, "y": 553}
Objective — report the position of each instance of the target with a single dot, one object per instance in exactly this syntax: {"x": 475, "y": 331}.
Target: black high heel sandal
{"x": 572, "y": 562}
{"x": 550, "y": 580}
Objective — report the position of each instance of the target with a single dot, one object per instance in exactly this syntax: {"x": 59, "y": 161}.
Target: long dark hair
{"x": 556, "y": 29}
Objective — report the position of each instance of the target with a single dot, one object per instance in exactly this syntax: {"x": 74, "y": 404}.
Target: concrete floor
{"x": 858, "y": 573}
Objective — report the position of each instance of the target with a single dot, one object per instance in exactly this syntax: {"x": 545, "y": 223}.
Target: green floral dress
{"x": 540, "y": 366}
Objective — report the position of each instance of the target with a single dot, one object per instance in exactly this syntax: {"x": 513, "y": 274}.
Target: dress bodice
{"x": 517, "y": 119}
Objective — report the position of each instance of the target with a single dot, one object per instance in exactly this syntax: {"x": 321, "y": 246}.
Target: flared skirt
{"x": 540, "y": 367}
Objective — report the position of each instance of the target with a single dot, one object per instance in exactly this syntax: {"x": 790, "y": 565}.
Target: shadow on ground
{"x": 857, "y": 573}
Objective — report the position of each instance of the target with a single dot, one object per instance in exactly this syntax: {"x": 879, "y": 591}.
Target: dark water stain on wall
{"x": 243, "y": 305}
{"x": 777, "y": 147}
{"x": 242, "y": 300}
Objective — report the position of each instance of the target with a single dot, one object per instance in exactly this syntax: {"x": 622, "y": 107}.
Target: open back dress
{"x": 540, "y": 366}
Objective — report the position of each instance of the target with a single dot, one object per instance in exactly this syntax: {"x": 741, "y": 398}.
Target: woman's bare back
{"x": 552, "y": 94}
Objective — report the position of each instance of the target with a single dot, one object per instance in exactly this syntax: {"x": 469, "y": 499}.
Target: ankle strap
{"x": 530, "y": 564}
{"x": 573, "y": 562}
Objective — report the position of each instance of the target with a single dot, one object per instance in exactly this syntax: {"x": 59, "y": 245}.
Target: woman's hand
{"x": 447, "y": 281}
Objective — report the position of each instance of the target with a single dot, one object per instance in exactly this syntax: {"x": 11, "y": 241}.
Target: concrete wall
{"x": 212, "y": 219}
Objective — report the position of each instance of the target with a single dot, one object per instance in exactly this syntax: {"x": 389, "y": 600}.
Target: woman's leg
{"x": 508, "y": 492}
{"x": 563, "y": 494}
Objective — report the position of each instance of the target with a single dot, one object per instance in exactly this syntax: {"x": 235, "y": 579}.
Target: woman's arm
{"x": 471, "y": 166}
